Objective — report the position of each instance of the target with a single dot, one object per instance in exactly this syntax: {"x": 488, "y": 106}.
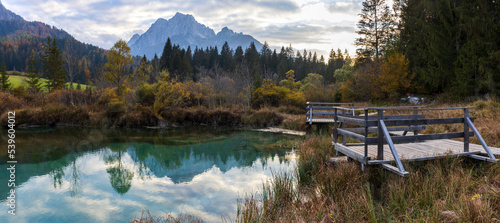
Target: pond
{"x": 95, "y": 175}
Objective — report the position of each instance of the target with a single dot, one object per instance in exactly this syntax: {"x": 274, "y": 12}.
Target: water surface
{"x": 93, "y": 175}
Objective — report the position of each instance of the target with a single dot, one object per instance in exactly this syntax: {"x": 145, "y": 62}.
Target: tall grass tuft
{"x": 147, "y": 217}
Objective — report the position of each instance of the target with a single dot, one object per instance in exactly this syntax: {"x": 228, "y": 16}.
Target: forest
{"x": 438, "y": 49}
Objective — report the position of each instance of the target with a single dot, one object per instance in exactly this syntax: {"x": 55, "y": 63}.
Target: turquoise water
{"x": 92, "y": 175}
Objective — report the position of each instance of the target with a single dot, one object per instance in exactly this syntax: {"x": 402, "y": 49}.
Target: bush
{"x": 264, "y": 118}
{"x": 19, "y": 91}
{"x": 8, "y": 102}
{"x": 116, "y": 108}
{"x": 145, "y": 94}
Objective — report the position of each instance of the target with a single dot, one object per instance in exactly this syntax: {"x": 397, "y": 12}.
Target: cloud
{"x": 352, "y": 7}
{"x": 103, "y": 22}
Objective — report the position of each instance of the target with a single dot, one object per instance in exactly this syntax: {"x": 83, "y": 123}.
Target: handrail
{"x": 408, "y": 122}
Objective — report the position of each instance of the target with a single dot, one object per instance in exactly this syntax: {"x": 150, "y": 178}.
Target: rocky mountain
{"x": 184, "y": 30}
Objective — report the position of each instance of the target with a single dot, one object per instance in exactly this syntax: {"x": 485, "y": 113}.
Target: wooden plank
{"x": 351, "y": 134}
{"x": 480, "y": 138}
{"x": 396, "y": 117}
{"x": 395, "y": 170}
{"x": 416, "y": 138}
{"x": 321, "y": 113}
{"x": 391, "y": 146}
{"x": 391, "y": 129}
{"x": 411, "y": 108}
{"x": 357, "y": 121}
{"x": 350, "y": 153}
{"x": 483, "y": 158}
{"x": 436, "y": 121}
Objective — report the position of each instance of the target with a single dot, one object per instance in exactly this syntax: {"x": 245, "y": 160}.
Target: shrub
{"x": 19, "y": 91}
{"x": 8, "y": 102}
{"x": 116, "y": 108}
{"x": 145, "y": 94}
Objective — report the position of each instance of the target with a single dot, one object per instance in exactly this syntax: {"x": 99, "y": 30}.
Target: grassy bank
{"x": 452, "y": 189}
{"x": 88, "y": 109}
{"x": 444, "y": 190}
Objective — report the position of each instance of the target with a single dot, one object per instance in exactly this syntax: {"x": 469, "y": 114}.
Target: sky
{"x": 315, "y": 25}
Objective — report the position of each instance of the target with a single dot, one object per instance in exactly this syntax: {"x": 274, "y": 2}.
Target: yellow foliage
{"x": 289, "y": 82}
{"x": 395, "y": 77}
{"x": 269, "y": 94}
{"x": 170, "y": 95}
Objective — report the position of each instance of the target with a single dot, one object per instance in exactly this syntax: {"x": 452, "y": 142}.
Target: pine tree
{"x": 4, "y": 79}
{"x": 166, "y": 56}
{"x": 375, "y": 29}
{"x": 34, "y": 83}
{"x": 53, "y": 65}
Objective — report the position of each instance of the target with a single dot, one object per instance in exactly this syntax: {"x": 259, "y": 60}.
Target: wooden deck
{"x": 426, "y": 150}
{"x": 391, "y": 144}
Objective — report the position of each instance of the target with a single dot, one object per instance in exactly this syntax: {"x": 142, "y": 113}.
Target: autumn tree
{"x": 170, "y": 94}
{"x": 395, "y": 78}
{"x": 52, "y": 64}
{"x": 4, "y": 79}
{"x": 118, "y": 65}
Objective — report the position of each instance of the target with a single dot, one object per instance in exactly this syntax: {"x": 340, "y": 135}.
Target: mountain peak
{"x": 181, "y": 16}
{"x": 184, "y": 30}
{"x": 6, "y": 14}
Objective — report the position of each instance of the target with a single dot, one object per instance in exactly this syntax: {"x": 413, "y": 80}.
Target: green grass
{"x": 17, "y": 80}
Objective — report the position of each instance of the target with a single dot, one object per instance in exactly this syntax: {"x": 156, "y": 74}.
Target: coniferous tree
{"x": 52, "y": 64}
{"x": 375, "y": 29}
{"x": 4, "y": 79}
{"x": 166, "y": 56}
{"x": 34, "y": 83}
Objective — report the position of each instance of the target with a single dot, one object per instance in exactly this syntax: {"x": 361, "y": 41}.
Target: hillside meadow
{"x": 19, "y": 79}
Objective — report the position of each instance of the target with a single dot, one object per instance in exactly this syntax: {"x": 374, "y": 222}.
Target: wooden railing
{"x": 322, "y": 112}
{"x": 384, "y": 124}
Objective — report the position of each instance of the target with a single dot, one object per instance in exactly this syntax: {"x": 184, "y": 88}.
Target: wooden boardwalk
{"x": 392, "y": 145}
{"x": 426, "y": 150}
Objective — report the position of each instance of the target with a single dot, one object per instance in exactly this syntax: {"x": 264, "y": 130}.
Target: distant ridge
{"x": 20, "y": 38}
{"x": 6, "y": 14}
{"x": 184, "y": 30}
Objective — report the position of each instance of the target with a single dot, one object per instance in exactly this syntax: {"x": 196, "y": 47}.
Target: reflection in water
{"x": 111, "y": 175}
{"x": 120, "y": 177}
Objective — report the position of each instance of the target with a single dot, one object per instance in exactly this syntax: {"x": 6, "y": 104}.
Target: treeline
{"x": 264, "y": 63}
{"x": 425, "y": 47}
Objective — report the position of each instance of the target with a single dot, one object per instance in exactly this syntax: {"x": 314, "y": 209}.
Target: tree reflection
{"x": 120, "y": 177}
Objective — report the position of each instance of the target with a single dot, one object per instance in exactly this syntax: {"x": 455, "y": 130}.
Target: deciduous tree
{"x": 117, "y": 67}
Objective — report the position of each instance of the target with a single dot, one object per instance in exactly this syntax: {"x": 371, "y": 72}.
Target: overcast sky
{"x": 318, "y": 25}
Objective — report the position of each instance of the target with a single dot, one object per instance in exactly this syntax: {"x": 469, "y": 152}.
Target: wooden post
{"x": 415, "y": 113}
{"x": 366, "y": 134}
{"x": 335, "y": 134}
{"x": 466, "y": 130}
{"x": 343, "y": 125}
{"x": 310, "y": 113}
{"x": 380, "y": 148}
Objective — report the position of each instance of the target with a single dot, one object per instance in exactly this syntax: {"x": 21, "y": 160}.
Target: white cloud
{"x": 311, "y": 24}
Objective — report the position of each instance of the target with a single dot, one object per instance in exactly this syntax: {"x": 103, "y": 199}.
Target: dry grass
{"x": 450, "y": 190}
{"x": 146, "y": 217}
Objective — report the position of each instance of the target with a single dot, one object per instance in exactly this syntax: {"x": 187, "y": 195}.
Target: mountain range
{"x": 184, "y": 30}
